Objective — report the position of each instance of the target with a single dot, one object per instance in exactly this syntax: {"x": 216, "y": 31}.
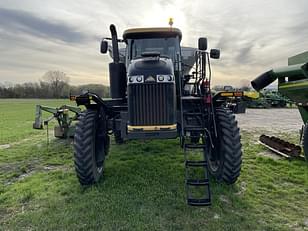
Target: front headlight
{"x": 160, "y": 78}
{"x": 165, "y": 78}
{"x": 135, "y": 79}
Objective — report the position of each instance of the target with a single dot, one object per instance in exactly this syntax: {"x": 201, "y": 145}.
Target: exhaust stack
{"x": 117, "y": 70}
{"x": 115, "y": 48}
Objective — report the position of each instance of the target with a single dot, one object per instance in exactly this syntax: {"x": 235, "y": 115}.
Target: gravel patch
{"x": 274, "y": 120}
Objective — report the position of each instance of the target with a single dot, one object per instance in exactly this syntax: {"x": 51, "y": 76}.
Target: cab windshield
{"x": 167, "y": 47}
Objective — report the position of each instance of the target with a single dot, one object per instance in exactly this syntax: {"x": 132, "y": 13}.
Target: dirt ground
{"x": 282, "y": 123}
{"x": 275, "y": 120}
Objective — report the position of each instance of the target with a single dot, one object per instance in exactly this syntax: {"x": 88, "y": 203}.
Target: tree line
{"x": 53, "y": 84}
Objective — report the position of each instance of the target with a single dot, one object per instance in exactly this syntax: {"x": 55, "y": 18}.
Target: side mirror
{"x": 202, "y": 44}
{"x": 104, "y": 47}
{"x": 215, "y": 53}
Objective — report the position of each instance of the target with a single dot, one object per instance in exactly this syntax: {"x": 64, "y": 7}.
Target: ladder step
{"x": 199, "y": 202}
{"x": 190, "y": 83}
{"x": 194, "y": 163}
{"x": 194, "y": 136}
{"x": 194, "y": 146}
{"x": 191, "y": 98}
{"x": 195, "y": 182}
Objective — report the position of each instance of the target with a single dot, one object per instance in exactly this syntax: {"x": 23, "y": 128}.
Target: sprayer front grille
{"x": 151, "y": 104}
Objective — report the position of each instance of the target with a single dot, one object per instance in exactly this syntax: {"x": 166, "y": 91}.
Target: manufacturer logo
{"x": 150, "y": 79}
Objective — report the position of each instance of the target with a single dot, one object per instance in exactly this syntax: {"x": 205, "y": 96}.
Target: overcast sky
{"x": 254, "y": 36}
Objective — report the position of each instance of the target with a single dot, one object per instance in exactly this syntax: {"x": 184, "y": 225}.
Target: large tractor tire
{"x": 91, "y": 143}
{"x": 305, "y": 141}
{"x": 225, "y": 159}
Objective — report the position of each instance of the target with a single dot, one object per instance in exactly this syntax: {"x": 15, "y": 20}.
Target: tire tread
{"x": 83, "y": 145}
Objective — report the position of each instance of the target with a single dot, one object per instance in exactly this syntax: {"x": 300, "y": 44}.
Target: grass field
{"x": 143, "y": 185}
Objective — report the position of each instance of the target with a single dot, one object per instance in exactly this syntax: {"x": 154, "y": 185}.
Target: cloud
{"x": 253, "y": 36}
{"x": 16, "y": 21}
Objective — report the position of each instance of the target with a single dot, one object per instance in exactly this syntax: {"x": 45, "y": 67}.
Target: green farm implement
{"x": 292, "y": 83}
{"x": 275, "y": 99}
{"x": 65, "y": 128}
{"x": 231, "y": 98}
{"x": 266, "y": 99}
{"x": 255, "y": 99}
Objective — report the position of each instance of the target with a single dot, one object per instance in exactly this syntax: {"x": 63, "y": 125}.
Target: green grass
{"x": 17, "y": 117}
{"x": 143, "y": 186}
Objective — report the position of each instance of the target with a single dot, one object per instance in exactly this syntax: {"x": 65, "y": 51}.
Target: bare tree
{"x": 57, "y": 81}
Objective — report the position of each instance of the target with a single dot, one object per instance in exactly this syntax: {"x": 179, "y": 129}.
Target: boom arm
{"x": 295, "y": 87}
{"x": 293, "y": 71}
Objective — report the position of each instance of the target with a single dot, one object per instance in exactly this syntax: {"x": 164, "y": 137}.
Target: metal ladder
{"x": 196, "y": 168}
